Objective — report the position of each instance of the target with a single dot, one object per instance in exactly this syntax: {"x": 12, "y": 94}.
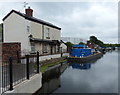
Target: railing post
{"x": 18, "y": 60}
{"x": 61, "y": 54}
{"x": 11, "y": 73}
{"x": 27, "y": 66}
{"x": 37, "y": 62}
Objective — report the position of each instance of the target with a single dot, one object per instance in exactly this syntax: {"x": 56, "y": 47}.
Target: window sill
{"x": 47, "y": 37}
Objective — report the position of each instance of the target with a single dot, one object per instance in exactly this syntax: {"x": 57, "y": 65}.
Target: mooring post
{"x": 37, "y": 62}
{"x": 27, "y": 66}
{"x": 10, "y": 73}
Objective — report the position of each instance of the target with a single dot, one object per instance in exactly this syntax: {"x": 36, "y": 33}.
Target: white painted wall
{"x": 55, "y": 34}
{"x": 15, "y": 30}
{"x": 36, "y": 30}
{"x": 64, "y": 47}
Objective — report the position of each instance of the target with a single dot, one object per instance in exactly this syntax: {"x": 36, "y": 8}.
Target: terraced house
{"x": 33, "y": 34}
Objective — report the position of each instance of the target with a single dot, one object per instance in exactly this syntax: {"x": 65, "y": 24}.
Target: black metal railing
{"x": 5, "y": 77}
{"x": 15, "y": 72}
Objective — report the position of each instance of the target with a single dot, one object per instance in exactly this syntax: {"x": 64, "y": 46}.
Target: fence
{"x": 14, "y": 72}
{"x": 32, "y": 58}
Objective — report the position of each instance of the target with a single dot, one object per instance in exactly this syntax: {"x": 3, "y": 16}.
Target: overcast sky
{"x": 77, "y": 19}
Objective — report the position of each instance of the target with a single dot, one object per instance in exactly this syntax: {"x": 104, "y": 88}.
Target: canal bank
{"x": 100, "y": 77}
{"x": 51, "y": 79}
{"x": 52, "y": 63}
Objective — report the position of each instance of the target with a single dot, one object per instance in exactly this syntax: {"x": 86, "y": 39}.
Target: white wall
{"x": 36, "y": 30}
{"x": 15, "y": 30}
{"x": 55, "y": 34}
{"x": 64, "y": 47}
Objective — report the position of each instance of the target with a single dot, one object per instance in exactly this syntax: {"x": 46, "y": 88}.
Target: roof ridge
{"x": 32, "y": 19}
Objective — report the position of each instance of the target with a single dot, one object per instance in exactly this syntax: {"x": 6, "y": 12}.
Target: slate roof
{"x": 32, "y": 19}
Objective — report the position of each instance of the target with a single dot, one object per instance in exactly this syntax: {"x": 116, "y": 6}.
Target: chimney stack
{"x": 29, "y": 12}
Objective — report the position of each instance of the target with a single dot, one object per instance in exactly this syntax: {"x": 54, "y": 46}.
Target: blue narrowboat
{"x": 81, "y": 53}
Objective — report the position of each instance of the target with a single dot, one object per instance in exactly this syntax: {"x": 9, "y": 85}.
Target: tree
{"x": 69, "y": 44}
{"x": 94, "y": 39}
{"x": 81, "y": 43}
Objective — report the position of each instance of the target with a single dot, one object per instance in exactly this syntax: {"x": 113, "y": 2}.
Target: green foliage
{"x": 46, "y": 66}
{"x": 69, "y": 44}
{"x": 111, "y": 45}
{"x": 81, "y": 43}
{"x": 94, "y": 39}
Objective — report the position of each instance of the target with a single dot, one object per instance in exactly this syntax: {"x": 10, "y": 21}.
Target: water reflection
{"x": 80, "y": 66}
{"x": 51, "y": 80}
{"x": 97, "y": 76}
{"x": 85, "y": 65}
{"x": 49, "y": 86}
{"x": 100, "y": 77}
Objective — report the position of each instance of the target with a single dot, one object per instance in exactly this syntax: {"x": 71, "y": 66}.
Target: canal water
{"x": 98, "y": 76}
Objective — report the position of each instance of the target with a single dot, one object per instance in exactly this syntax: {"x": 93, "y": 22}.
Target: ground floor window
{"x": 32, "y": 47}
{"x": 44, "y": 48}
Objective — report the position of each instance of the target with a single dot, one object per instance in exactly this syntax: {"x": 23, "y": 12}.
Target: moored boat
{"x": 86, "y": 58}
{"x": 82, "y": 54}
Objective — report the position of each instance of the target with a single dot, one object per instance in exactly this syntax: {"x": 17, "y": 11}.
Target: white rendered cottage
{"x": 33, "y": 34}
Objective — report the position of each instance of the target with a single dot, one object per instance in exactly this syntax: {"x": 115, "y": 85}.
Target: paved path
{"x": 19, "y": 74}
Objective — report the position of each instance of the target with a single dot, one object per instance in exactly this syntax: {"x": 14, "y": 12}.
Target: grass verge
{"x": 46, "y": 66}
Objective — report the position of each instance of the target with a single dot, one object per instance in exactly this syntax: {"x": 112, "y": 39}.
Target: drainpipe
{"x": 42, "y": 31}
{"x": 42, "y": 35}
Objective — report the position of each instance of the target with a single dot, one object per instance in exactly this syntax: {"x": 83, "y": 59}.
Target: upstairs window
{"x": 28, "y": 28}
{"x": 47, "y": 33}
{"x": 32, "y": 47}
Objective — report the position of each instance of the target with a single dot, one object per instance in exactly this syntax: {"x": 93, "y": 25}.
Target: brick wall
{"x": 10, "y": 50}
